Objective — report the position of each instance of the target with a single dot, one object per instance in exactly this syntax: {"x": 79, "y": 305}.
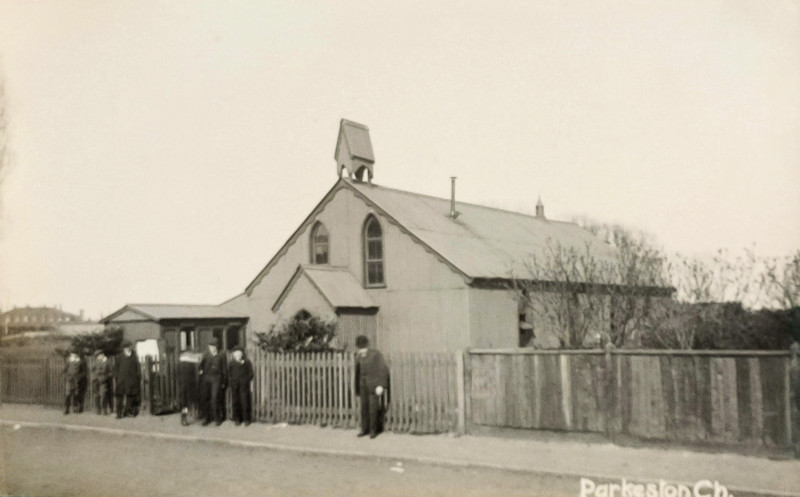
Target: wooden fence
{"x": 42, "y": 380}
{"x": 319, "y": 389}
{"x": 33, "y": 380}
{"x": 738, "y": 398}
{"x": 717, "y": 397}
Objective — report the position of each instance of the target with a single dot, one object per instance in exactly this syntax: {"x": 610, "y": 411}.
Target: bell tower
{"x": 354, "y": 151}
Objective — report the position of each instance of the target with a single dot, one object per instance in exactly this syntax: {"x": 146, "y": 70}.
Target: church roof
{"x": 481, "y": 242}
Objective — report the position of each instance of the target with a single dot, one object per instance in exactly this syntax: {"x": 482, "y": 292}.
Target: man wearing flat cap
{"x": 128, "y": 377}
{"x": 372, "y": 382}
{"x": 213, "y": 379}
{"x": 240, "y": 374}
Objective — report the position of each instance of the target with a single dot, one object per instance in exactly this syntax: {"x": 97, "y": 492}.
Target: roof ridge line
{"x": 472, "y": 204}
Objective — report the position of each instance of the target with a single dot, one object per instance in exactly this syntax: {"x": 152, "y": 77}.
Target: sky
{"x": 162, "y": 152}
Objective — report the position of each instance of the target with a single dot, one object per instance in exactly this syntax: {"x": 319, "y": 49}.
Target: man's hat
{"x": 214, "y": 341}
{"x": 98, "y": 352}
{"x": 125, "y": 344}
{"x": 239, "y": 348}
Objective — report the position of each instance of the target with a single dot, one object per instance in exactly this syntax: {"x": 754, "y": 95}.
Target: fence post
{"x": 460, "y": 393}
{"x": 794, "y": 385}
{"x": 465, "y": 389}
{"x": 609, "y": 394}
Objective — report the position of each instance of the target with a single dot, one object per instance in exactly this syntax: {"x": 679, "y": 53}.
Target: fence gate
{"x": 160, "y": 384}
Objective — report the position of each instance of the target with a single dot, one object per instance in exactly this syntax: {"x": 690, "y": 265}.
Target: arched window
{"x": 319, "y": 244}
{"x": 373, "y": 253}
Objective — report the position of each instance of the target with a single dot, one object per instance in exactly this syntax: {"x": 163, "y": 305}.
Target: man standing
{"x": 372, "y": 381}
{"x": 75, "y": 370}
{"x": 240, "y": 376}
{"x": 128, "y": 376}
{"x": 102, "y": 378}
{"x": 188, "y": 388}
{"x": 213, "y": 378}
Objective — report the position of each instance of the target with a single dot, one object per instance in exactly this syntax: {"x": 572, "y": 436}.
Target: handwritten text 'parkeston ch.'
{"x": 627, "y": 488}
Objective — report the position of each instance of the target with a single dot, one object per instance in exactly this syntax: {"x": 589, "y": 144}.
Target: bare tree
{"x": 715, "y": 295}
{"x": 781, "y": 279}
{"x": 585, "y": 298}
{"x": 641, "y": 297}
{"x": 554, "y": 288}
{"x": 638, "y": 281}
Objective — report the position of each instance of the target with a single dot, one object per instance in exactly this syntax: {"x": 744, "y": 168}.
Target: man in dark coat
{"x": 372, "y": 382}
{"x": 75, "y": 369}
{"x": 213, "y": 379}
{"x": 188, "y": 387}
{"x": 128, "y": 377}
{"x": 240, "y": 374}
{"x": 83, "y": 383}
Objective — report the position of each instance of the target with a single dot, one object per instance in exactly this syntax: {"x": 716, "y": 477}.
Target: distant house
{"x": 412, "y": 271}
{"x": 43, "y": 321}
{"x": 179, "y": 327}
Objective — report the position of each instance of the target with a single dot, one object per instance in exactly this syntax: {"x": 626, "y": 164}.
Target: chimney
{"x": 453, "y": 213}
{"x": 540, "y": 209}
{"x": 81, "y": 315}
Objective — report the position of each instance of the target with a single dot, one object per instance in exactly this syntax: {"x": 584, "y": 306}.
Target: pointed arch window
{"x": 373, "y": 253}
{"x": 320, "y": 243}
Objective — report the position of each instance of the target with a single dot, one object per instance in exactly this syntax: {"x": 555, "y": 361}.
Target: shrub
{"x": 301, "y": 333}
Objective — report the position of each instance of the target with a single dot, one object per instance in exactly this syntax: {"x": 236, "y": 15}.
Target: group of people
{"x": 203, "y": 380}
{"x": 121, "y": 381}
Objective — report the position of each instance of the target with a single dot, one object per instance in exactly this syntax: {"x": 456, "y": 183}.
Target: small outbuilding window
{"x": 373, "y": 253}
{"x": 319, "y": 244}
{"x": 187, "y": 339}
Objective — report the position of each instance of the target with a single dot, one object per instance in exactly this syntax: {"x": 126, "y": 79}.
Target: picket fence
{"x": 319, "y": 388}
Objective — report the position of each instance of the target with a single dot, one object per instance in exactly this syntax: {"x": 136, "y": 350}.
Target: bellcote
{"x": 354, "y": 151}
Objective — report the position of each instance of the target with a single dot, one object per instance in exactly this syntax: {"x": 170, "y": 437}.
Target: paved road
{"x": 53, "y": 462}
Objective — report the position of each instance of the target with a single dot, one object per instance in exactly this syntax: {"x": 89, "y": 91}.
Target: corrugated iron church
{"x": 411, "y": 271}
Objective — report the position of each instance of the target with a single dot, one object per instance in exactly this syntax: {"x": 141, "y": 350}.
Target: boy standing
{"x": 240, "y": 376}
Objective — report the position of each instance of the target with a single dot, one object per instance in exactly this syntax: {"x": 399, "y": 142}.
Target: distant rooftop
{"x": 158, "y": 312}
